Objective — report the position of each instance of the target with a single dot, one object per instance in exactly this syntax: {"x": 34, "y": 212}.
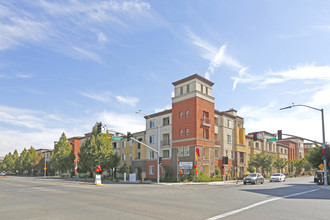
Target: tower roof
{"x": 195, "y": 76}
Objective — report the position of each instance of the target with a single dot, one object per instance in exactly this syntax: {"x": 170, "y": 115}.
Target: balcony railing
{"x": 206, "y": 122}
{"x": 165, "y": 143}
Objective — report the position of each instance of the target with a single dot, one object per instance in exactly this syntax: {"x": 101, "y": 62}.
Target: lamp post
{"x": 323, "y": 134}
{"x": 158, "y": 140}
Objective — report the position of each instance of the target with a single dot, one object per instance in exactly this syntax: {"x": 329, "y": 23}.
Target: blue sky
{"x": 67, "y": 64}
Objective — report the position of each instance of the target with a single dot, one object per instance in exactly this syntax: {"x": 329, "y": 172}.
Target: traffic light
{"x": 99, "y": 128}
{"x": 195, "y": 168}
{"x": 160, "y": 160}
{"x": 180, "y": 171}
{"x": 98, "y": 170}
{"x": 279, "y": 135}
{"x": 324, "y": 154}
{"x": 129, "y": 135}
{"x": 254, "y": 136}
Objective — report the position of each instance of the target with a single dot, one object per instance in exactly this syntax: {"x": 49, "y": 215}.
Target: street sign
{"x": 321, "y": 166}
{"x": 115, "y": 138}
{"x": 270, "y": 139}
{"x": 186, "y": 165}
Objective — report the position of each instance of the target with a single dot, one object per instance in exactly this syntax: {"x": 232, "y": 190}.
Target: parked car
{"x": 318, "y": 176}
{"x": 254, "y": 178}
{"x": 3, "y": 173}
{"x": 277, "y": 177}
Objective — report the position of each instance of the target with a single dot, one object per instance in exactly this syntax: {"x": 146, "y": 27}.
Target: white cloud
{"x": 15, "y": 30}
{"x": 82, "y": 53}
{"x": 299, "y": 121}
{"x": 21, "y": 117}
{"x": 217, "y": 57}
{"x": 122, "y": 122}
{"x": 102, "y": 38}
{"x": 102, "y": 97}
{"x": 127, "y": 100}
{"x": 108, "y": 97}
{"x": 300, "y": 72}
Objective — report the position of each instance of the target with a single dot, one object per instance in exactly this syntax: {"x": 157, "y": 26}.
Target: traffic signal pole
{"x": 323, "y": 134}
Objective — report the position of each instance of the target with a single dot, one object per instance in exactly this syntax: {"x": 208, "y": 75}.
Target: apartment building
{"x": 194, "y": 133}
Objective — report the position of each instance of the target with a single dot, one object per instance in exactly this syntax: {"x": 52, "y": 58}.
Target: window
{"x": 188, "y": 89}
{"x": 151, "y": 170}
{"x": 249, "y": 157}
{"x": 130, "y": 156}
{"x": 202, "y": 88}
{"x": 229, "y": 139}
{"x": 249, "y": 143}
{"x": 130, "y": 143}
{"x": 124, "y": 144}
{"x": 187, "y": 114}
{"x": 181, "y": 115}
{"x": 166, "y": 153}
{"x": 257, "y": 145}
{"x": 206, "y": 153}
{"x": 181, "y": 132}
{"x": 206, "y": 92}
{"x": 241, "y": 157}
{"x": 166, "y": 121}
{"x": 186, "y": 151}
{"x": 187, "y": 131}
{"x": 181, "y": 151}
{"x": 206, "y": 134}
{"x": 139, "y": 156}
{"x": 229, "y": 123}
{"x": 181, "y": 90}
{"x": 269, "y": 147}
{"x": 123, "y": 156}
{"x": 152, "y": 154}
{"x": 226, "y": 153}
{"x": 114, "y": 145}
{"x": 151, "y": 124}
{"x": 152, "y": 139}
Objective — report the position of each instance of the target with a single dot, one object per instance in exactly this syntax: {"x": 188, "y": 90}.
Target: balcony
{"x": 164, "y": 143}
{"x": 206, "y": 122}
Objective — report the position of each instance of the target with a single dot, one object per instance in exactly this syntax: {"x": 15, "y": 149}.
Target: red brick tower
{"x": 193, "y": 125}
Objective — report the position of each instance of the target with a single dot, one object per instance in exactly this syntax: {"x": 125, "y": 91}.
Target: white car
{"x": 277, "y": 177}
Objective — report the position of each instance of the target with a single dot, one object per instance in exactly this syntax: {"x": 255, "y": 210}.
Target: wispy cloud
{"x": 121, "y": 122}
{"x": 102, "y": 38}
{"x": 85, "y": 54}
{"x": 16, "y": 30}
{"x": 132, "y": 101}
{"x": 299, "y": 72}
{"x": 217, "y": 57}
{"x": 100, "y": 96}
{"x": 108, "y": 97}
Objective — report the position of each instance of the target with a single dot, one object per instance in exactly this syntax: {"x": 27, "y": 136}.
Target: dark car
{"x": 254, "y": 178}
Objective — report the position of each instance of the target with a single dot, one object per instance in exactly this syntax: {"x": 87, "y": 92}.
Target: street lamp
{"x": 323, "y": 134}
{"x": 158, "y": 140}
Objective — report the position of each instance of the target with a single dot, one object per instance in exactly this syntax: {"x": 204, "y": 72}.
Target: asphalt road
{"x": 37, "y": 198}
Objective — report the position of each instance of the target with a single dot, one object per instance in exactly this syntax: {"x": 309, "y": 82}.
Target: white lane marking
{"x": 257, "y": 204}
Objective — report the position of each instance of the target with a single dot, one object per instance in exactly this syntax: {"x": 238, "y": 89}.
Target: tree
{"x": 62, "y": 157}
{"x": 299, "y": 164}
{"x": 22, "y": 162}
{"x": 96, "y": 150}
{"x": 314, "y": 156}
{"x": 280, "y": 163}
{"x": 251, "y": 168}
{"x": 262, "y": 161}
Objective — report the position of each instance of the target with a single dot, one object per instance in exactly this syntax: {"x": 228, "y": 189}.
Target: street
{"x": 38, "y": 198}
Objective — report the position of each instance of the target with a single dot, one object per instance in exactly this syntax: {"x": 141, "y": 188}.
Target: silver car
{"x": 254, "y": 178}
